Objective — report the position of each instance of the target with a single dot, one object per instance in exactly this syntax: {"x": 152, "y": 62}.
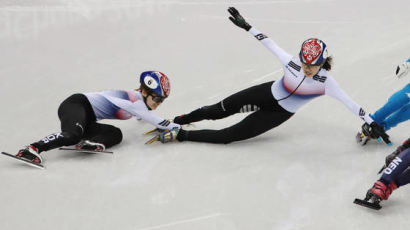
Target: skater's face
{"x": 153, "y": 101}
{"x": 310, "y": 70}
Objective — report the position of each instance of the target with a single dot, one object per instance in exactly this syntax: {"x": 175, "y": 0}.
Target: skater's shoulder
{"x": 295, "y": 63}
{"x": 129, "y": 95}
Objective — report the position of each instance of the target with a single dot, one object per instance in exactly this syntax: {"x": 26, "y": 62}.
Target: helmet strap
{"x": 145, "y": 101}
{"x": 146, "y": 92}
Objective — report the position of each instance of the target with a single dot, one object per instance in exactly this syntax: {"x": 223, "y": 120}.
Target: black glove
{"x": 378, "y": 131}
{"x": 237, "y": 19}
{"x": 389, "y": 159}
{"x": 391, "y": 156}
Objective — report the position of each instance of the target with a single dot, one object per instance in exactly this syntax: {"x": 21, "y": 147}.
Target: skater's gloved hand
{"x": 178, "y": 120}
{"x": 237, "y": 19}
{"x": 405, "y": 145}
{"x": 394, "y": 154}
{"x": 168, "y": 135}
{"x": 402, "y": 69}
{"x": 377, "y": 131}
{"x": 391, "y": 156}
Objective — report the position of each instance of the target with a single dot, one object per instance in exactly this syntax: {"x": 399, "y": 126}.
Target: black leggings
{"x": 78, "y": 122}
{"x": 267, "y": 115}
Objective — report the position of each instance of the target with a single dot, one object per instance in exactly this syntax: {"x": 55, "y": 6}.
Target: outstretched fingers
{"x": 234, "y": 12}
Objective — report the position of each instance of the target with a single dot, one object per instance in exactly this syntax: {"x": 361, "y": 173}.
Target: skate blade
{"x": 152, "y": 140}
{"x": 359, "y": 137}
{"x": 367, "y": 204}
{"x": 27, "y": 162}
{"x": 150, "y": 131}
{"x": 84, "y": 150}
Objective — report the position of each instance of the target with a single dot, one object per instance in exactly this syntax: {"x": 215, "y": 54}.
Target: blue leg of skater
{"x": 402, "y": 115}
{"x": 394, "y": 103}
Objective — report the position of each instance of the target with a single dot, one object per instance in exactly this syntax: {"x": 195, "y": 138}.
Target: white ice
{"x": 301, "y": 175}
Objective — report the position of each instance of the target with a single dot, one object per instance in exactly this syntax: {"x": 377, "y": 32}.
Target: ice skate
{"x": 29, "y": 155}
{"x": 381, "y": 190}
{"x": 164, "y": 137}
{"x": 376, "y": 194}
{"x": 361, "y": 138}
{"x": 370, "y": 201}
{"x": 89, "y": 145}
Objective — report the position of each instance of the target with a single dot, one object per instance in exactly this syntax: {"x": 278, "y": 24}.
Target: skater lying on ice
{"x": 79, "y": 114}
{"x": 306, "y": 77}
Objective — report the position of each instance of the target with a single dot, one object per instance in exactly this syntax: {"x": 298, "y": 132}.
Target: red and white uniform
{"x": 294, "y": 89}
{"x": 120, "y": 104}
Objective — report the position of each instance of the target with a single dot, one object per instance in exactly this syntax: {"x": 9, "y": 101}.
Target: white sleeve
{"x": 139, "y": 109}
{"x": 282, "y": 55}
{"x": 333, "y": 89}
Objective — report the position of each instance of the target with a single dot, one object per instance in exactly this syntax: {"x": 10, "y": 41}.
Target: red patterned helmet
{"x": 313, "y": 52}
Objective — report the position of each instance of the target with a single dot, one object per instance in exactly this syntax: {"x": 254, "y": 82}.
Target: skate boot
{"x": 168, "y": 136}
{"x": 89, "y": 145}
{"x": 362, "y": 139}
{"x": 373, "y": 196}
{"x": 180, "y": 120}
{"x": 380, "y": 191}
{"x": 376, "y": 194}
{"x": 30, "y": 153}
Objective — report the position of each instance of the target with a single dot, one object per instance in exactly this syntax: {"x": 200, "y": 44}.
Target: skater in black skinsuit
{"x": 79, "y": 114}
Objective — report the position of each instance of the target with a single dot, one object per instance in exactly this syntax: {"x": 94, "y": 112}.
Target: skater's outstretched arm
{"x": 334, "y": 90}
{"x": 239, "y": 21}
{"x": 140, "y": 110}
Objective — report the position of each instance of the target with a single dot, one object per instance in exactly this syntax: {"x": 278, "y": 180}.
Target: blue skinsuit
{"x": 396, "y": 110}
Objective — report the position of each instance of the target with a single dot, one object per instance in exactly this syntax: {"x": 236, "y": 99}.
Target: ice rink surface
{"x": 301, "y": 175}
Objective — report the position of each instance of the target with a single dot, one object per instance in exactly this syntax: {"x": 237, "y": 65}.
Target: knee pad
{"x": 117, "y": 135}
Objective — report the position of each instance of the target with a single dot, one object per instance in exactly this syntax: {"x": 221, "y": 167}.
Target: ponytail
{"x": 327, "y": 65}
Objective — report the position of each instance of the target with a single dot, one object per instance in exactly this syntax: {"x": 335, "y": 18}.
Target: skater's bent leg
{"x": 247, "y": 100}
{"x": 403, "y": 178}
{"x": 403, "y": 114}
{"x": 56, "y": 140}
{"x": 253, "y": 125}
{"x": 211, "y": 112}
{"x": 107, "y": 135}
{"x": 75, "y": 114}
{"x": 394, "y": 103}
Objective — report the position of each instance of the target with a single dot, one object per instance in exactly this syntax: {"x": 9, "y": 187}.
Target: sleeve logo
{"x": 260, "y": 36}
